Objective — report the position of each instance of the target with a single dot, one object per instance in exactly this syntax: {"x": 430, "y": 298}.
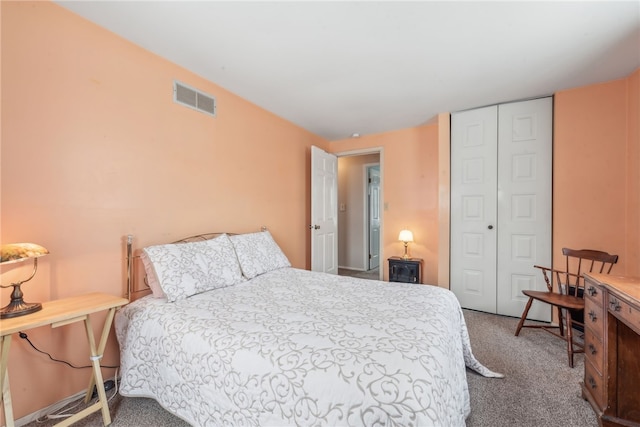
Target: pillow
{"x": 152, "y": 279}
{"x": 258, "y": 253}
{"x": 186, "y": 269}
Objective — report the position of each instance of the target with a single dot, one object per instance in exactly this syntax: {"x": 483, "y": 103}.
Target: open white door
{"x": 324, "y": 211}
{"x": 373, "y": 197}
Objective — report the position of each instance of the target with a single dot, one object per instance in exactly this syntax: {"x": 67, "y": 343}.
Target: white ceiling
{"x": 337, "y": 68}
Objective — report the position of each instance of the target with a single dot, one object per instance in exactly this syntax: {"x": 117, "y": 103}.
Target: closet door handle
{"x": 490, "y": 227}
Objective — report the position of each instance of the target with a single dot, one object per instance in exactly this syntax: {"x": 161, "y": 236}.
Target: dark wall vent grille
{"x": 194, "y": 98}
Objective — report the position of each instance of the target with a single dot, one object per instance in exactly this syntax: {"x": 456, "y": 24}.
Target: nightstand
{"x": 59, "y": 313}
{"x": 405, "y": 270}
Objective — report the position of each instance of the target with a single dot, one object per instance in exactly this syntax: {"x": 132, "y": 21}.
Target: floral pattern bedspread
{"x": 292, "y": 347}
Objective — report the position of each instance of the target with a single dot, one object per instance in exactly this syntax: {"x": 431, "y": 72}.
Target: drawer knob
{"x": 592, "y": 291}
{"x": 592, "y": 316}
{"x": 592, "y": 349}
{"x": 615, "y": 305}
{"x": 592, "y": 382}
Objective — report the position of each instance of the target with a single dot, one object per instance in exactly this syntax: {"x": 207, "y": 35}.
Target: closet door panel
{"x": 524, "y": 203}
{"x": 473, "y": 208}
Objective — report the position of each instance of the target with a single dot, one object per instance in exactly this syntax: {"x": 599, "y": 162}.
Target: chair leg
{"x": 569, "y": 339}
{"x": 560, "y": 321}
{"x": 524, "y": 316}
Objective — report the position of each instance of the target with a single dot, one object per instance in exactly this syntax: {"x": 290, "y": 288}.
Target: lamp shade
{"x": 17, "y": 252}
{"x": 405, "y": 236}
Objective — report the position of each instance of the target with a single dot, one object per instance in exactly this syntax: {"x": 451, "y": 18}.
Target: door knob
{"x": 314, "y": 227}
{"x": 490, "y": 227}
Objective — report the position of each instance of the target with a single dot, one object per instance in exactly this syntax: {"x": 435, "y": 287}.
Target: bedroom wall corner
{"x": 444, "y": 199}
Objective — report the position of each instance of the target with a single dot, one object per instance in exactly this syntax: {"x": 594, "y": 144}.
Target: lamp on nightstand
{"x": 405, "y": 236}
{"x": 18, "y": 252}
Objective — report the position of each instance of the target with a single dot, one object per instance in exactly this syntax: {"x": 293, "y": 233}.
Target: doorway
{"x": 359, "y": 214}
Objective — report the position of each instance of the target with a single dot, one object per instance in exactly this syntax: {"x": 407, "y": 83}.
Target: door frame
{"x": 380, "y": 152}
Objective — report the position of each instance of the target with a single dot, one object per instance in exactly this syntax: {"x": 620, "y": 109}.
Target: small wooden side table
{"x": 59, "y": 313}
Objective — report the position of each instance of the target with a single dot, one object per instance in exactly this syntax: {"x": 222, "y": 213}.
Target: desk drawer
{"x": 593, "y": 293}
{"x": 593, "y": 350}
{"x": 594, "y": 383}
{"x": 625, "y": 312}
{"x": 594, "y": 319}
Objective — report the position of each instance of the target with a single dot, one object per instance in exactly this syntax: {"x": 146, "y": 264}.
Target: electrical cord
{"x": 64, "y": 411}
{"x": 26, "y": 338}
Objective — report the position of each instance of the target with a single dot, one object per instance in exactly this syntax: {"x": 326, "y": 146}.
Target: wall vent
{"x": 194, "y": 98}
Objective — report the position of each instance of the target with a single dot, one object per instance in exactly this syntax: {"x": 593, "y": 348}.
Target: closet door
{"x": 474, "y": 174}
{"x": 524, "y": 203}
{"x": 501, "y": 205}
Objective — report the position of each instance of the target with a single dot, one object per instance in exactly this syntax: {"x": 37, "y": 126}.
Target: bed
{"x": 267, "y": 344}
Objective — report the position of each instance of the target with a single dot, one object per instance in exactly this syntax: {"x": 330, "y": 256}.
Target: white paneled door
{"x": 474, "y": 180}
{"x": 324, "y": 211}
{"x": 373, "y": 202}
{"x": 501, "y": 195}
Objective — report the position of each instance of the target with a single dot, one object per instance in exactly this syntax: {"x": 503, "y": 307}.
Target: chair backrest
{"x": 580, "y": 261}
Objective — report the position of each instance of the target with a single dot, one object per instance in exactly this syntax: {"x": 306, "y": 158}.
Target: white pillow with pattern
{"x": 258, "y": 253}
{"x": 186, "y": 269}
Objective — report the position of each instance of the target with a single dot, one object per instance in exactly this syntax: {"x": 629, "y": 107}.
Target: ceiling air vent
{"x": 193, "y": 98}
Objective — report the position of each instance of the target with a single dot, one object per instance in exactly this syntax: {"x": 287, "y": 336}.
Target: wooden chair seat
{"x": 566, "y": 294}
{"x": 563, "y": 301}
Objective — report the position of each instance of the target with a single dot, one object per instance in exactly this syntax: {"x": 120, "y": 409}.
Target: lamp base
{"x": 17, "y": 307}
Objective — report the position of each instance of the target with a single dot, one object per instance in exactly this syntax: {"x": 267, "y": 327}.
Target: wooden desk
{"x": 59, "y": 313}
{"x": 612, "y": 348}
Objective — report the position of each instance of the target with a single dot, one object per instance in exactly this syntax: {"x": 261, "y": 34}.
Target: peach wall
{"x": 444, "y": 198}
{"x": 409, "y": 190}
{"x": 593, "y": 172}
{"x": 633, "y": 174}
{"x": 93, "y": 148}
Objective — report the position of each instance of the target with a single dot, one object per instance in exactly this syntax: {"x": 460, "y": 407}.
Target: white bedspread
{"x": 292, "y": 347}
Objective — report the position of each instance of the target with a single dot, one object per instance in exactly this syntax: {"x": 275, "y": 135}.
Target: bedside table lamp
{"x": 18, "y": 252}
{"x": 405, "y": 236}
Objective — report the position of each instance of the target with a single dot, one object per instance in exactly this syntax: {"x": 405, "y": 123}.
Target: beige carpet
{"x": 373, "y": 274}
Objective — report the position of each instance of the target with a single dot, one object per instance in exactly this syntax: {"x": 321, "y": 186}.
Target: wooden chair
{"x": 567, "y": 297}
